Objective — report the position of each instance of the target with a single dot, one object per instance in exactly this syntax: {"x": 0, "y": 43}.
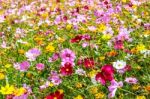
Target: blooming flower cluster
{"x": 74, "y": 49}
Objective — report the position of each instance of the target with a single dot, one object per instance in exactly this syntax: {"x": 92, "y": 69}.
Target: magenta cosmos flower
{"x": 106, "y": 74}
{"x": 24, "y": 66}
{"x": 67, "y": 55}
{"x": 32, "y": 54}
{"x": 40, "y": 66}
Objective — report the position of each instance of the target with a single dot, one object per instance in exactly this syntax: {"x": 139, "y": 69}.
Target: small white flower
{"x": 120, "y": 64}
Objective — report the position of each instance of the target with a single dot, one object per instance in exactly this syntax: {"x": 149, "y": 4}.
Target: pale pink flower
{"x": 131, "y": 80}
{"x": 40, "y": 66}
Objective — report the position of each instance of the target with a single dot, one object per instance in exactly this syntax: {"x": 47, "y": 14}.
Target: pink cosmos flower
{"x": 54, "y": 57}
{"x": 131, "y": 80}
{"x": 40, "y": 66}
{"x": 67, "y": 55}
{"x": 113, "y": 88}
{"x": 24, "y": 66}
{"x": 32, "y": 54}
{"x": 54, "y": 78}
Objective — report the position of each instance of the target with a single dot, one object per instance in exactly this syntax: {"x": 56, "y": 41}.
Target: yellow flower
{"x": 50, "y": 48}
{"x": 135, "y": 87}
{"x": 124, "y": 1}
{"x": 99, "y": 95}
{"x": 21, "y": 51}
{"x": 101, "y": 28}
{"x": 140, "y": 47}
{"x": 92, "y": 73}
{"x": 8, "y": 65}
{"x": 45, "y": 15}
{"x": 93, "y": 90}
{"x": 7, "y": 89}
{"x": 140, "y": 97}
{"x": 78, "y": 85}
{"x": 2, "y": 76}
{"x": 106, "y": 37}
{"x": 61, "y": 91}
{"x": 69, "y": 26}
{"x": 61, "y": 39}
{"x": 101, "y": 58}
{"x": 78, "y": 97}
{"x": 51, "y": 84}
{"x": 20, "y": 91}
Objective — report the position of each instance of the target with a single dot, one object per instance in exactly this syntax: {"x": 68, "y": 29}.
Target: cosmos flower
{"x": 76, "y": 39}
{"x": 120, "y": 64}
{"x": 118, "y": 45}
{"x": 67, "y": 55}
{"x": 40, "y": 66}
{"x": 66, "y": 70}
{"x": 131, "y": 80}
{"x": 80, "y": 71}
{"x": 54, "y": 78}
{"x": 89, "y": 62}
{"x": 113, "y": 88}
{"x": 32, "y": 54}
{"x": 106, "y": 74}
{"x": 56, "y": 95}
{"x": 24, "y": 66}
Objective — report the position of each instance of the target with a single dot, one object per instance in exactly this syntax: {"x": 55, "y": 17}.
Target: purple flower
{"x": 24, "y": 66}
{"x": 67, "y": 55}
{"x": 131, "y": 80}
{"x": 40, "y": 66}
{"x": 32, "y": 54}
{"x": 113, "y": 88}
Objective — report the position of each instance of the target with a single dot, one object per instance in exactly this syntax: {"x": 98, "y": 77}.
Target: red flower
{"x": 77, "y": 39}
{"x": 106, "y": 74}
{"x": 88, "y": 62}
{"x": 67, "y": 69}
{"x": 55, "y": 95}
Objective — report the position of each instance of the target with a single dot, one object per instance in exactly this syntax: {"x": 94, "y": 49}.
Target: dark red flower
{"x": 77, "y": 39}
{"x": 67, "y": 69}
{"x": 106, "y": 74}
{"x": 55, "y": 95}
{"x": 89, "y": 62}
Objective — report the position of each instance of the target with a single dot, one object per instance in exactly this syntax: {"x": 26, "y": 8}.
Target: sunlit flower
{"x": 6, "y": 90}
{"x": 119, "y": 64}
{"x": 131, "y": 80}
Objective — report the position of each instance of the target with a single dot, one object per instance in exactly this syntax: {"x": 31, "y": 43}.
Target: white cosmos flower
{"x": 120, "y": 64}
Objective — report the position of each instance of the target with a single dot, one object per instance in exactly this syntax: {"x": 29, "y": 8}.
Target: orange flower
{"x": 112, "y": 53}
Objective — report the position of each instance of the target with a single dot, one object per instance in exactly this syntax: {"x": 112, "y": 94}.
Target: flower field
{"x": 74, "y": 49}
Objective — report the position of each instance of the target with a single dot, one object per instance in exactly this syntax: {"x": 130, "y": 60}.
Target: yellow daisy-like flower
{"x": 93, "y": 90}
{"x": 20, "y": 91}
{"x": 50, "y": 48}
{"x": 45, "y": 15}
{"x": 135, "y": 87}
{"x": 140, "y": 47}
{"x": 61, "y": 91}
{"x": 101, "y": 58}
{"x": 79, "y": 97}
{"x": 7, "y": 89}
{"x": 21, "y": 51}
{"x": 51, "y": 84}
{"x": 69, "y": 26}
{"x": 106, "y": 37}
{"x": 8, "y": 65}
{"x": 99, "y": 95}
{"x": 140, "y": 97}
{"x": 101, "y": 28}
{"x": 2, "y": 76}
{"x": 78, "y": 85}
{"x": 124, "y": 1}
{"x": 92, "y": 73}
